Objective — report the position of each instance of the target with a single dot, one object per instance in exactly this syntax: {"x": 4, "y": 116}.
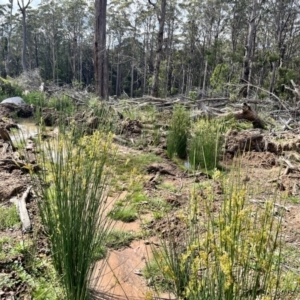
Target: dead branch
{"x": 147, "y": 98}
{"x": 275, "y": 204}
{"x": 22, "y": 210}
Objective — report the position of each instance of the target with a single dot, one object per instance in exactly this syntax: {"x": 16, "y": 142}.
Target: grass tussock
{"x": 74, "y": 204}
{"x": 205, "y": 144}
{"x": 178, "y": 133}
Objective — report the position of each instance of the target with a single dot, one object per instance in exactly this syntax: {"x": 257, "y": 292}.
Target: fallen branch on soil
{"x": 11, "y": 164}
{"x": 155, "y": 178}
{"x": 199, "y": 174}
{"x": 290, "y": 166}
{"x": 275, "y": 204}
{"x": 22, "y": 210}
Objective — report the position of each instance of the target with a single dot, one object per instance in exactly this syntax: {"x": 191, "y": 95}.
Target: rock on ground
{"x": 14, "y": 100}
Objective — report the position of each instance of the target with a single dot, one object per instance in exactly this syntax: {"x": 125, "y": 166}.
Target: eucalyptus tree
{"x": 237, "y": 26}
{"x": 172, "y": 24}
{"x": 119, "y": 28}
{"x": 250, "y": 44}
{"x": 23, "y": 6}
{"x": 146, "y": 20}
{"x": 203, "y": 35}
{"x": 285, "y": 15}
{"x": 100, "y": 58}
{"x": 192, "y": 50}
{"x": 9, "y": 32}
{"x": 74, "y": 24}
{"x": 47, "y": 27}
{"x": 161, "y": 15}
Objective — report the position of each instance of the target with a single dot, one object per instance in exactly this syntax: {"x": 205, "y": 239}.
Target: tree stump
{"x": 250, "y": 115}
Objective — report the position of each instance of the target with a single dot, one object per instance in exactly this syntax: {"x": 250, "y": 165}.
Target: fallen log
{"x": 22, "y": 210}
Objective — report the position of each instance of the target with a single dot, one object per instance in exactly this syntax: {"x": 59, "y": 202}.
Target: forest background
{"x": 209, "y": 47}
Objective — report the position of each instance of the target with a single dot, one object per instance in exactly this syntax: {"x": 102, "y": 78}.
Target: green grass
{"x": 154, "y": 270}
{"x": 167, "y": 186}
{"x": 9, "y": 217}
{"x": 117, "y": 239}
{"x": 124, "y": 214}
{"x": 155, "y": 204}
{"x": 125, "y": 163}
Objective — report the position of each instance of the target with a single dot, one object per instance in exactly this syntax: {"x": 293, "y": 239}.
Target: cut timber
{"x": 5, "y": 137}
{"x": 22, "y": 210}
{"x": 250, "y": 115}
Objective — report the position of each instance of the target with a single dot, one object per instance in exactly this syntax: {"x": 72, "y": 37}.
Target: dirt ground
{"x": 266, "y": 163}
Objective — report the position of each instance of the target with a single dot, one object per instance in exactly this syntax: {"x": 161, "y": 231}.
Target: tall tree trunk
{"x": 36, "y": 52}
{"x": 74, "y": 62}
{"x": 118, "y": 79}
{"x": 131, "y": 79}
{"x": 100, "y": 54}
{"x": 7, "y": 60}
{"x": 249, "y": 47}
{"x": 204, "y": 76}
{"x": 23, "y": 9}
{"x": 161, "y": 18}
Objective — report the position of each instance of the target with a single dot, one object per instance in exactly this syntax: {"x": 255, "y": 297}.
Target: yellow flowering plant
{"x": 231, "y": 253}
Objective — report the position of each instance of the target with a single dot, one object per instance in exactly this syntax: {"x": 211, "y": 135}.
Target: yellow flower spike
{"x": 127, "y": 161}
{"x": 216, "y": 174}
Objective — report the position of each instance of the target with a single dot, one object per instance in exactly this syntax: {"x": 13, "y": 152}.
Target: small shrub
{"x": 178, "y": 134}
{"x": 8, "y": 88}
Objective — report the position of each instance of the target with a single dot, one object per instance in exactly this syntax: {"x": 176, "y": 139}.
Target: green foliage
{"x": 205, "y": 144}
{"x": 8, "y": 88}
{"x": 34, "y": 271}
{"x": 36, "y": 98}
{"x": 284, "y": 77}
{"x": 74, "y": 205}
{"x": 272, "y": 57}
{"x": 193, "y": 95}
{"x": 178, "y": 133}
{"x": 233, "y": 253}
{"x": 9, "y": 217}
{"x": 219, "y": 76}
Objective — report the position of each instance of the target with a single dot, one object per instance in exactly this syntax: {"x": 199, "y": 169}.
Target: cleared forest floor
{"x": 156, "y": 190}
